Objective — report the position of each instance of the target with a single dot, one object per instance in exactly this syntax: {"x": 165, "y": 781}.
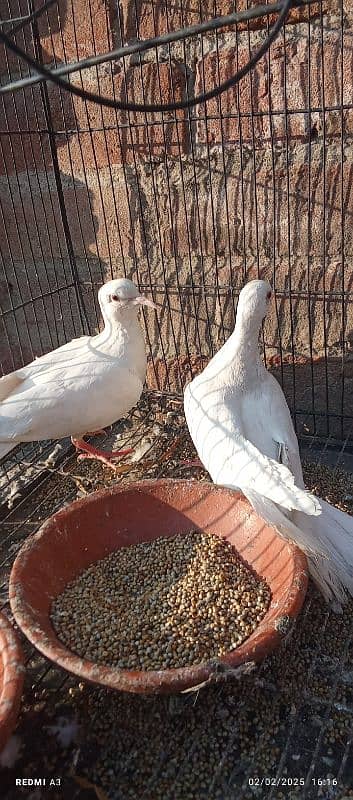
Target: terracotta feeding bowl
{"x": 11, "y": 679}
{"x": 89, "y": 529}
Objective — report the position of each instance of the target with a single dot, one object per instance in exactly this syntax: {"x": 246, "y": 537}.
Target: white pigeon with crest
{"x": 241, "y": 427}
{"x": 83, "y": 386}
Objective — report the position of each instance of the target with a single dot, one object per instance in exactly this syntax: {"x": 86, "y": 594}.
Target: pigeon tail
{"x": 333, "y": 532}
{"x": 327, "y": 541}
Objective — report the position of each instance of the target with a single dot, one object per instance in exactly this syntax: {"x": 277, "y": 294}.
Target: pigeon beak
{"x": 141, "y": 300}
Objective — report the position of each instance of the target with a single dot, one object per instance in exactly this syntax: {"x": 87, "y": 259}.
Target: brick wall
{"x": 257, "y": 180}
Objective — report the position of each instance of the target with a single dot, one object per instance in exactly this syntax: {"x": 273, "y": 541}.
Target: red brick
{"x": 8, "y": 60}
{"x": 83, "y": 151}
{"x": 66, "y": 32}
{"x": 156, "y": 17}
{"x": 23, "y": 115}
{"x": 133, "y": 134}
{"x": 85, "y": 30}
{"x": 325, "y": 75}
{"x": 103, "y": 213}
{"x": 29, "y": 216}
{"x": 246, "y": 212}
{"x": 240, "y": 214}
{"x": 24, "y": 139}
{"x": 24, "y": 110}
{"x": 67, "y": 35}
{"x": 215, "y": 69}
{"x": 148, "y": 84}
{"x": 284, "y": 86}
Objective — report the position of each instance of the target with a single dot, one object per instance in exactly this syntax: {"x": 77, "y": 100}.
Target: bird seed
{"x": 171, "y": 602}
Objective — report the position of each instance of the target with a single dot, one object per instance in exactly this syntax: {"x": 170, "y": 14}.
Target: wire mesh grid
{"x": 190, "y": 204}
{"x": 284, "y": 731}
{"x": 87, "y": 192}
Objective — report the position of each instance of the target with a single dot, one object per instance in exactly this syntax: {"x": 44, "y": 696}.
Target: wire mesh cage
{"x": 190, "y": 202}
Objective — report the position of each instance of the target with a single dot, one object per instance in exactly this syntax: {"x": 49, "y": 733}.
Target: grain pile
{"x": 168, "y": 603}
{"x": 292, "y": 717}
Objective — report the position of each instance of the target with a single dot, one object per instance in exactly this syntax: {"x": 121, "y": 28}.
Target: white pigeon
{"x": 85, "y": 385}
{"x": 241, "y": 427}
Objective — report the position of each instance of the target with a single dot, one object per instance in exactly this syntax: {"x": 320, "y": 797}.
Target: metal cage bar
{"x": 190, "y": 204}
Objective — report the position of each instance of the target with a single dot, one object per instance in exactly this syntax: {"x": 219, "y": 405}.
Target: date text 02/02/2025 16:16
{"x": 283, "y": 781}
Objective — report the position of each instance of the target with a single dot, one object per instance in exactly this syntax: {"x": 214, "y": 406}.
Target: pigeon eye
{"x": 269, "y": 295}
{"x": 115, "y": 297}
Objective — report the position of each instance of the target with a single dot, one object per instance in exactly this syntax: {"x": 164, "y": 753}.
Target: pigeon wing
{"x": 231, "y": 459}
{"x": 9, "y": 383}
{"x": 241, "y": 464}
{"x": 71, "y": 390}
{"x": 279, "y": 420}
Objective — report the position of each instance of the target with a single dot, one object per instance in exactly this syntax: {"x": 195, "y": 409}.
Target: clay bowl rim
{"x": 11, "y": 682}
{"x": 259, "y": 644}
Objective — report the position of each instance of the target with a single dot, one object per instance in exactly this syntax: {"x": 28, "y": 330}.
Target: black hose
{"x": 154, "y": 107}
{"x": 30, "y": 18}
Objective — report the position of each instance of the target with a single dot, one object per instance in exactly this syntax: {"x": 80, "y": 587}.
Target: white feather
{"x": 241, "y": 427}
{"x": 85, "y": 385}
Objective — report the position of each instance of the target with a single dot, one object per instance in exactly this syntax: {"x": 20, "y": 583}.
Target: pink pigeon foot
{"x": 105, "y": 456}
